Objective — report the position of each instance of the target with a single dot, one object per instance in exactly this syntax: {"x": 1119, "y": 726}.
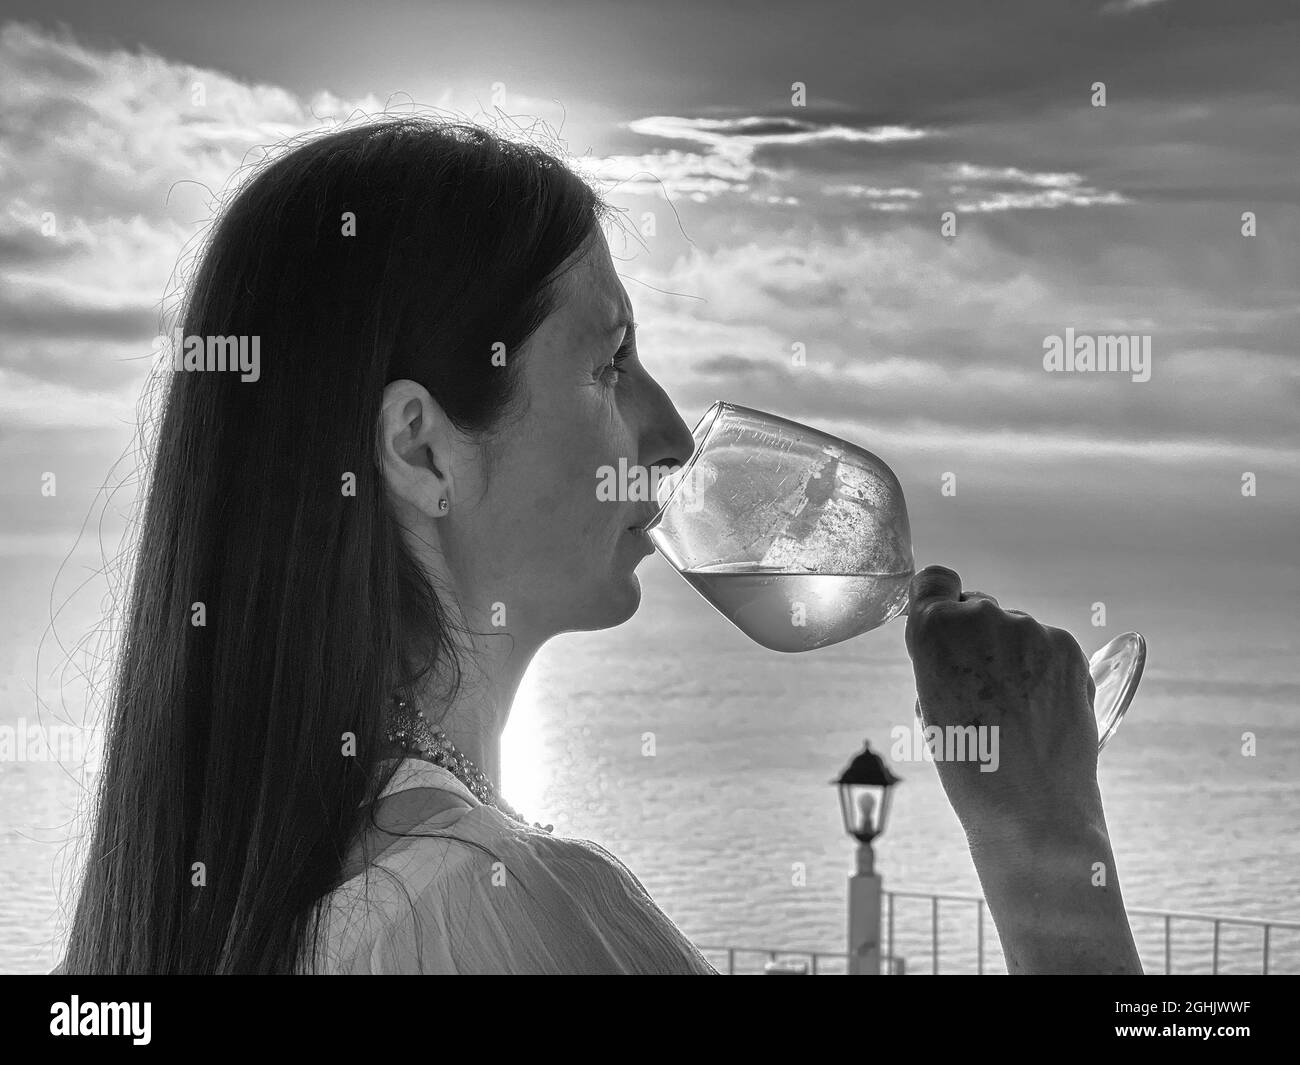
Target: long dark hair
{"x": 405, "y": 248}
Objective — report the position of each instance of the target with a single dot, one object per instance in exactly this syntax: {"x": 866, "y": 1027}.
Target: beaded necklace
{"x": 409, "y": 730}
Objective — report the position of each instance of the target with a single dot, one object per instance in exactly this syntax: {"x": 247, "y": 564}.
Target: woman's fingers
{"x": 989, "y": 599}
{"x": 933, "y": 584}
{"x": 936, "y": 585}
{"x": 929, "y": 588}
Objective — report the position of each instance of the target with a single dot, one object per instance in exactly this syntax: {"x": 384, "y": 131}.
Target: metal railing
{"x": 803, "y": 962}
{"x": 819, "y": 962}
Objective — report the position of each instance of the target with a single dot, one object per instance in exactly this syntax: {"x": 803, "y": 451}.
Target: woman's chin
{"x": 616, "y": 604}
{"x": 624, "y": 600}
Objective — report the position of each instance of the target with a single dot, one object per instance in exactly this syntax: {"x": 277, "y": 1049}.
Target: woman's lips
{"x": 642, "y": 540}
{"x": 639, "y": 529}
{"x": 640, "y": 534}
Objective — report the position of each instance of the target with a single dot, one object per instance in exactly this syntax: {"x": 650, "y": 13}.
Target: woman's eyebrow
{"x": 625, "y": 321}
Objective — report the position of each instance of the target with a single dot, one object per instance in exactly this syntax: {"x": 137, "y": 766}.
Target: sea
{"x": 705, "y": 762}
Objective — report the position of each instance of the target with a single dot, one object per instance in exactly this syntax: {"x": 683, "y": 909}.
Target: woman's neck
{"x": 493, "y": 668}
{"x": 493, "y": 661}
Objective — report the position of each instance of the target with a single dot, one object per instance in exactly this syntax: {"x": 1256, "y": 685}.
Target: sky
{"x": 785, "y": 170}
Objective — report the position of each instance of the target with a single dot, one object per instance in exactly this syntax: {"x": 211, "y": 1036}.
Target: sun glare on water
{"x": 525, "y": 772}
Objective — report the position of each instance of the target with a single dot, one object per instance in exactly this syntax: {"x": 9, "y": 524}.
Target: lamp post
{"x": 864, "y": 789}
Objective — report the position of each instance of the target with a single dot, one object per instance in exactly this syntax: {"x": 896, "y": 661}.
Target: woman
{"x": 348, "y": 558}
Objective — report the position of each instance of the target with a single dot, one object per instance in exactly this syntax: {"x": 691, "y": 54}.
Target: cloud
{"x": 111, "y": 164}
{"x": 1028, "y": 190}
{"x": 1045, "y": 198}
{"x": 1014, "y": 175}
{"x": 748, "y": 132}
{"x": 805, "y": 232}
{"x": 785, "y": 160}
{"x": 900, "y": 333}
{"x": 32, "y": 402}
{"x": 724, "y": 161}
{"x": 697, "y": 176}
{"x": 1127, "y": 7}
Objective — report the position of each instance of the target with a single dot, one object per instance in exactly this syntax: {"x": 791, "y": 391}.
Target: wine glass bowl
{"x": 799, "y": 539}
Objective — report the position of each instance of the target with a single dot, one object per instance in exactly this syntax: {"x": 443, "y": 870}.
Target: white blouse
{"x": 539, "y": 903}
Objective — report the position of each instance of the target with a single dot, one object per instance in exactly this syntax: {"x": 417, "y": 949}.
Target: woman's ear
{"x": 416, "y": 448}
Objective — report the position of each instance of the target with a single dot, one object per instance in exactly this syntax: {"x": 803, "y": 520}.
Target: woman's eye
{"x": 615, "y": 365}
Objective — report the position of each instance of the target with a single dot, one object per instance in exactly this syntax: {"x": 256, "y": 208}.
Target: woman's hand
{"x": 1033, "y": 817}
{"x": 977, "y": 664}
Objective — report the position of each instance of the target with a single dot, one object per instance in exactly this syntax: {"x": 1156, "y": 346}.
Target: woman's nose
{"x": 669, "y": 442}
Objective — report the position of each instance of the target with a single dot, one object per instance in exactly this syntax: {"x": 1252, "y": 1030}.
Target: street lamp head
{"x": 864, "y": 788}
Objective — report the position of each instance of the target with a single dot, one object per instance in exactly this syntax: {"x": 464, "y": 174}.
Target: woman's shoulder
{"x": 443, "y": 860}
{"x": 425, "y": 828}
{"x": 464, "y": 888}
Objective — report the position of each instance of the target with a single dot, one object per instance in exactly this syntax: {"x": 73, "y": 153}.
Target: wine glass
{"x": 801, "y": 540}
